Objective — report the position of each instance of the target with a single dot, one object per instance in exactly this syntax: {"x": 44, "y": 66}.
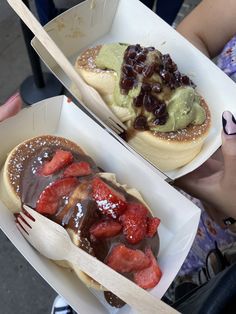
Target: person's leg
{"x": 148, "y": 3}
{"x": 168, "y": 9}
{"x": 11, "y": 107}
{"x": 46, "y": 10}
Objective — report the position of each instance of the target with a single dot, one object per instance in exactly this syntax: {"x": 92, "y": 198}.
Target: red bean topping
{"x": 165, "y": 75}
{"x": 160, "y": 110}
{"x": 138, "y": 101}
{"x": 170, "y": 66}
{"x": 138, "y": 47}
{"x": 148, "y": 70}
{"x": 146, "y": 87}
{"x": 168, "y": 63}
{"x": 140, "y": 123}
{"x": 160, "y": 121}
{"x": 172, "y": 82}
{"x": 128, "y": 70}
{"x": 185, "y": 80}
{"x": 156, "y": 68}
{"x": 166, "y": 57}
{"x": 126, "y": 83}
{"x": 136, "y": 70}
{"x": 149, "y": 102}
{"x": 130, "y": 53}
{"x": 156, "y": 88}
{"x": 173, "y": 67}
{"x": 177, "y": 76}
{"x": 131, "y": 62}
{"x": 140, "y": 57}
{"x": 139, "y": 68}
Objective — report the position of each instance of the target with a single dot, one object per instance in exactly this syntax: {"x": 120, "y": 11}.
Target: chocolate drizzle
{"x": 31, "y": 184}
{"x": 77, "y": 212}
{"x": 113, "y": 300}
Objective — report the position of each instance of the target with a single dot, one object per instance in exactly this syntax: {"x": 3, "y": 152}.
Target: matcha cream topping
{"x": 183, "y": 103}
{"x": 183, "y": 108}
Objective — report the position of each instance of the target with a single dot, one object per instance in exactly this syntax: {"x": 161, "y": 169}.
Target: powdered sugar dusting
{"x": 27, "y": 150}
{"x": 191, "y": 133}
{"x": 87, "y": 59}
{"x": 79, "y": 214}
{"x": 108, "y": 207}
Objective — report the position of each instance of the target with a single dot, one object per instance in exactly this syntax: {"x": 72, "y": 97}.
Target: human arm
{"x": 214, "y": 182}
{"x": 10, "y": 107}
{"x": 210, "y": 25}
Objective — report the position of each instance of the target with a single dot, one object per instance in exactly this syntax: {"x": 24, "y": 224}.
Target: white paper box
{"x": 179, "y": 217}
{"x": 102, "y": 21}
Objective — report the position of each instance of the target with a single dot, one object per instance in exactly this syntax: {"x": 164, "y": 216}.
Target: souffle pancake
{"x": 167, "y": 119}
{"x": 110, "y": 221}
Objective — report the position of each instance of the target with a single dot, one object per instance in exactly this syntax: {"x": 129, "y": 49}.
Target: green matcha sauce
{"x": 183, "y": 108}
{"x": 182, "y": 102}
{"x": 111, "y": 57}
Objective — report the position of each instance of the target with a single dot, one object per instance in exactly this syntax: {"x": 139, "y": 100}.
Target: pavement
{"x": 22, "y": 290}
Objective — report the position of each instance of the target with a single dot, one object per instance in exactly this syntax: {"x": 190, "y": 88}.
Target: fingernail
{"x": 229, "y": 123}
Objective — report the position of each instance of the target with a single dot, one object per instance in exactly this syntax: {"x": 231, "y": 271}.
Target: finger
{"x": 210, "y": 167}
{"x": 10, "y": 107}
{"x": 201, "y": 188}
{"x": 218, "y": 155}
{"x": 229, "y": 146}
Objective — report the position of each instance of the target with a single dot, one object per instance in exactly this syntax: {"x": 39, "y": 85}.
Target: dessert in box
{"x": 118, "y": 21}
{"x": 179, "y": 217}
{"x": 167, "y": 119}
{"x": 111, "y": 222}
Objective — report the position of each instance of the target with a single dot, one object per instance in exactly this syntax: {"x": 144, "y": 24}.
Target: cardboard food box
{"x": 104, "y": 21}
{"x": 179, "y": 217}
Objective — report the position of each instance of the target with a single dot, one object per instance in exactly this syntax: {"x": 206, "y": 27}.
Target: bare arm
{"x": 210, "y": 25}
{"x": 10, "y": 107}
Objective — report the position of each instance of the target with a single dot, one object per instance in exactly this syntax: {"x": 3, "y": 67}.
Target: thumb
{"x": 229, "y": 145}
{"x": 10, "y": 107}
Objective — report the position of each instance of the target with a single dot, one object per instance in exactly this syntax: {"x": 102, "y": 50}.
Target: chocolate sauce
{"x": 78, "y": 211}
{"x": 113, "y": 300}
{"x": 32, "y": 184}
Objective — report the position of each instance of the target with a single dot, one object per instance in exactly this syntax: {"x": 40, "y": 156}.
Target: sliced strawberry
{"x": 105, "y": 228}
{"x": 77, "y": 169}
{"x": 125, "y": 260}
{"x": 61, "y": 159}
{"x": 50, "y": 197}
{"x": 110, "y": 202}
{"x": 152, "y": 224}
{"x": 134, "y": 222}
{"x": 149, "y": 277}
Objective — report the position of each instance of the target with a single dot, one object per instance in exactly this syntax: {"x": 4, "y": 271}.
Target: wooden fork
{"x": 91, "y": 98}
{"x": 57, "y": 245}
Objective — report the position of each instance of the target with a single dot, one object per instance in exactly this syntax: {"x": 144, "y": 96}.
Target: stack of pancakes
{"x": 166, "y": 150}
{"x": 21, "y": 183}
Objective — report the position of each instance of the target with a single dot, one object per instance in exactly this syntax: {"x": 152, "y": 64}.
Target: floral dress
{"x": 209, "y": 237}
{"x": 227, "y": 59}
